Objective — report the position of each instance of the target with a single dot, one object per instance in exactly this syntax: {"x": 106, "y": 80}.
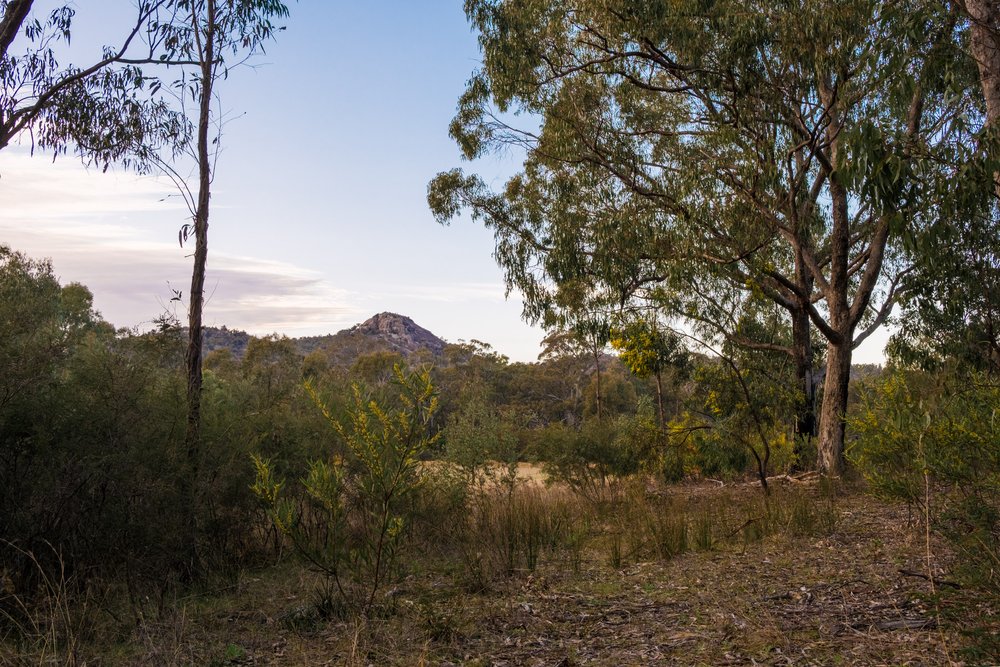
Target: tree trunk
{"x": 11, "y": 22}
{"x": 193, "y": 357}
{"x": 659, "y": 398}
{"x": 834, "y": 408}
{"x": 830, "y": 448}
{"x": 984, "y": 43}
{"x": 597, "y": 366}
{"x": 985, "y": 46}
{"x": 805, "y": 402}
{"x": 10, "y": 25}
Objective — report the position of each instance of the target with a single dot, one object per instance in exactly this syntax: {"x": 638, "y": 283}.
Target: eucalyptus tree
{"x": 952, "y": 313}
{"x": 984, "y": 46}
{"x": 102, "y": 110}
{"x": 579, "y": 333}
{"x": 951, "y": 309}
{"x": 784, "y": 149}
{"x": 647, "y": 349}
{"x": 205, "y": 39}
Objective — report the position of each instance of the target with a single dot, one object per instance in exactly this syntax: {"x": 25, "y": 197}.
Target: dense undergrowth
{"x": 361, "y": 478}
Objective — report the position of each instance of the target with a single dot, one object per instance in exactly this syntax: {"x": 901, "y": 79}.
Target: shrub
{"x": 350, "y": 520}
{"x": 917, "y": 433}
{"x": 594, "y": 459}
{"x": 481, "y": 441}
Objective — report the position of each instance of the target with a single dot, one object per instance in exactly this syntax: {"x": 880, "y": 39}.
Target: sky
{"x": 319, "y": 216}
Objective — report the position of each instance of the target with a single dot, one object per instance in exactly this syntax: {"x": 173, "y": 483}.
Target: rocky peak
{"x": 400, "y": 332}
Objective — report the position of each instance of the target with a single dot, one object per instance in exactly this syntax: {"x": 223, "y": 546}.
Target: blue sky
{"x": 319, "y": 215}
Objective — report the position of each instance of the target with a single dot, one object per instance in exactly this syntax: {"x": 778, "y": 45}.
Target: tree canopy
{"x": 685, "y": 150}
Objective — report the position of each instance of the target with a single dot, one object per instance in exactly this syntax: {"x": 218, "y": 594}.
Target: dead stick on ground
{"x": 933, "y": 580}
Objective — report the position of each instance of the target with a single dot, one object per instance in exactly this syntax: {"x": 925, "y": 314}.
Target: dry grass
{"x": 531, "y": 473}
{"x": 823, "y": 595}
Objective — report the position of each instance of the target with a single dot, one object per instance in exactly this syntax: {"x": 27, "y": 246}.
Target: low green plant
{"x": 655, "y": 526}
{"x": 669, "y": 532}
{"x": 576, "y": 537}
{"x": 921, "y": 434}
{"x": 808, "y": 515}
{"x": 232, "y": 654}
{"x": 350, "y": 521}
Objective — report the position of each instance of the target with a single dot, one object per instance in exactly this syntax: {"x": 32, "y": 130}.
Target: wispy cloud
{"x": 35, "y": 188}
{"x": 103, "y": 229}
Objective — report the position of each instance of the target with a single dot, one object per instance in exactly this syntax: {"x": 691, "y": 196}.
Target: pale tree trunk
{"x": 984, "y": 43}
{"x": 659, "y": 398}
{"x": 194, "y": 349}
{"x": 984, "y": 16}
{"x": 597, "y": 367}
{"x": 834, "y": 409}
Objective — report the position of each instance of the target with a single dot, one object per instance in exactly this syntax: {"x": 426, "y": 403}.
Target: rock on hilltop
{"x": 383, "y": 332}
{"x": 400, "y": 332}
{"x": 389, "y": 332}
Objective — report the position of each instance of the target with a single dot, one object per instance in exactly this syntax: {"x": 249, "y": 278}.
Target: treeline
{"x": 94, "y": 473}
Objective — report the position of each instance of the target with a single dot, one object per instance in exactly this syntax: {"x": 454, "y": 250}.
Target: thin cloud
{"x": 102, "y": 230}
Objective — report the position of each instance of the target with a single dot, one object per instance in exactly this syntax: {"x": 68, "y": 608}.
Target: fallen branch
{"x": 933, "y": 580}
{"x": 898, "y": 624}
{"x": 801, "y": 478}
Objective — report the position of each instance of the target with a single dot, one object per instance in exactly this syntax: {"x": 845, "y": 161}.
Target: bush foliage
{"x": 934, "y": 440}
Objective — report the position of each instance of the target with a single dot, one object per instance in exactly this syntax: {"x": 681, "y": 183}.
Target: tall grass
{"x": 506, "y": 531}
{"x": 667, "y": 526}
{"x": 46, "y": 626}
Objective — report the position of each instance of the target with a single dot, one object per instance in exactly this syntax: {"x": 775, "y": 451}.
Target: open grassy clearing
{"x": 818, "y": 584}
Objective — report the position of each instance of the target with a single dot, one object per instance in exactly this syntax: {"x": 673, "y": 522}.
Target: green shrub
{"x": 596, "y": 458}
{"x": 351, "y": 518}
{"x": 482, "y": 442}
{"x": 935, "y": 439}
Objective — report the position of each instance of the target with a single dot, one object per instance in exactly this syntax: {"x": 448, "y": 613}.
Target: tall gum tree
{"x": 785, "y": 150}
{"x": 102, "y": 110}
{"x": 205, "y": 39}
{"x": 984, "y": 46}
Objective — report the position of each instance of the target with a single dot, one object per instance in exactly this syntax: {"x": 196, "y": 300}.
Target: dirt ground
{"x": 840, "y": 599}
{"x": 835, "y": 600}
{"x": 851, "y": 597}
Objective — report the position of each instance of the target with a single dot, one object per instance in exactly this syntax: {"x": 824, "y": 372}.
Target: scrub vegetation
{"x": 717, "y": 203}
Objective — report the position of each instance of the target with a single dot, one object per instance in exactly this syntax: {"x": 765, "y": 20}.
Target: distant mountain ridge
{"x": 390, "y": 332}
